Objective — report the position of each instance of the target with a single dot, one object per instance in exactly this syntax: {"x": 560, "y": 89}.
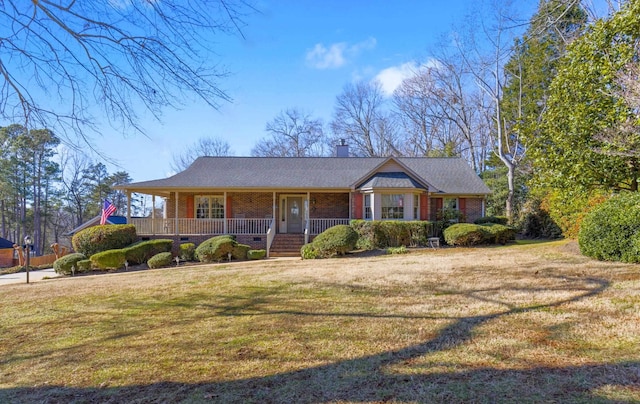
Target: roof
{"x": 444, "y": 175}
{"x": 391, "y": 180}
{"x": 4, "y": 243}
{"x": 96, "y": 221}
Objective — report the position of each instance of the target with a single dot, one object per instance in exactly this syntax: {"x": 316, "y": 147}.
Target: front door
{"x": 295, "y": 214}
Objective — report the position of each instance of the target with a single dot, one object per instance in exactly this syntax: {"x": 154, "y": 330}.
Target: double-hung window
{"x": 392, "y": 206}
{"x": 209, "y": 206}
{"x": 368, "y": 213}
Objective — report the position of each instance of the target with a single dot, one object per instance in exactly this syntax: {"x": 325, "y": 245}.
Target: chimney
{"x": 342, "y": 150}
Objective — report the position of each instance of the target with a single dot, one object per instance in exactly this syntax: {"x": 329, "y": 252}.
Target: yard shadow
{"x": 391, "y": 376}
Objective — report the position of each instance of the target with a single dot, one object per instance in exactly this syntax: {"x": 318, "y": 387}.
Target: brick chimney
{"x": 342, "y": 150}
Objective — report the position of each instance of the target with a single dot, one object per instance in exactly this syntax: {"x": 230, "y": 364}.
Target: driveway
{"x": 21, "y": 277}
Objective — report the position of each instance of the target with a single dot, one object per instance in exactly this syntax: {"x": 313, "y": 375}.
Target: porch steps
{"x": 286, "y": 245}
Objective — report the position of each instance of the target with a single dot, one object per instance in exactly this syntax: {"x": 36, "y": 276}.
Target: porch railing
{"x": 317, "y": 226}
{"x": 147, "y": 226}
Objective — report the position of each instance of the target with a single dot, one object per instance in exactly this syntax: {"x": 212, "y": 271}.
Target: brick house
{"x": 272, "y": 203}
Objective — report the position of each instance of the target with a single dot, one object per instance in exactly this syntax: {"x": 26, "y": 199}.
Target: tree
{"x": 205, "y": 146}
{"x": 360, "y": 119}
{"x": 292, "y": 133}
{"x": 65, "y": 58}
{"x": 591, "y": 127}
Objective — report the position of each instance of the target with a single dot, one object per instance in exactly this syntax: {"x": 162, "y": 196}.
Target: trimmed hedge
{"x": 110, "y": 259}
{"x": 84, "y": 265}
{"x": 240, "y": 252}
{"x": 187, "y": 252}
{"x": 468, "y": 234}
{"x": 391, "y": 233}
{"x": 160, "y": 260}
{"x": 102, "y": 238}
{"x": 140, "y": 252}
{"x": 336, "y": 240}
{"x": 611, "y": 231}
{"x": 68, "y": 264}
{"x": 256, "y": 254}
{"x": 216, "y": 248}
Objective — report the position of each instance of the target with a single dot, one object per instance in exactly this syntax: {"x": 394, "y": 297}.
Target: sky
{"x": 294, "y": 54}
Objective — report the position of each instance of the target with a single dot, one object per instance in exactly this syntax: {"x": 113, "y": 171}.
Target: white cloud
{"x": 391, "y": 77}
{"x": 337, "y": 54}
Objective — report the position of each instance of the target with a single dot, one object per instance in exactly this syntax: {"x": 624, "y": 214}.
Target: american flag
{"x": 107, "y": 210}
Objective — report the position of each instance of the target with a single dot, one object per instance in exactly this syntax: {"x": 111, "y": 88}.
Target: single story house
{"x": 280, "y": 203}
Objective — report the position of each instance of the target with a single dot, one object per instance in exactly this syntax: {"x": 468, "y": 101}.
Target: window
{"x": 416, "y": 207}
{"x": 450, "y": 203}
{"x": 209, "y": 206}
{"x": 367, "y": 207}
{"x": 392, "y": 206}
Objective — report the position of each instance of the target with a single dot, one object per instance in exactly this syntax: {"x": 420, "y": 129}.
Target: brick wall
{"x": 473, "y": 209}
{"x": 329, "y": 205}
{"x": 251, "y": 204}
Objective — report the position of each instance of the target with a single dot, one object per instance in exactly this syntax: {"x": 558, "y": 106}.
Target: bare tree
{"x": 359, "y": 117}
{"x": 205, "y": 146}
{"x": 293, "y": 133}
{"x": 440, "y": 112}
{"x": 63, "y": 59}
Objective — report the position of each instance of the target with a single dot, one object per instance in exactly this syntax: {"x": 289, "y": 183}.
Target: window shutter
{"x": 357, "y": 202}
{"x": 462, "y": 206}
{"x": 424, "y": 207}
{"x": 227, "y": 207}
{"x": 190, "y": 206}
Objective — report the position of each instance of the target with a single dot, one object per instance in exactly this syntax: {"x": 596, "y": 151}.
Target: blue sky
{"x": 294, "y": 54}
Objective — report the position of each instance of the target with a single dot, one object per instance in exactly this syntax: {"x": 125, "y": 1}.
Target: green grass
{"x": 532, "y": 323}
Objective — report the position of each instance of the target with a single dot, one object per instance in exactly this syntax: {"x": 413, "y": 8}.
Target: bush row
{"x": 384, "y": 234}
{"x": 468, "y": 234}
{"x": 104, "y": 237}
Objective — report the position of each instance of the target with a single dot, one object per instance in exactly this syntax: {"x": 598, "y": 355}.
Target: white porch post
{"x": 128, "y": 207}
{"x": 275, "y": 214}
{"x": 176, "y": 214}
{"x": 153, "y": 214}
{"x": 226, "y": 219}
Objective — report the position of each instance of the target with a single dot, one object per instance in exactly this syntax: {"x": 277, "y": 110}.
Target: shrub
{"x": 309, "y": 252}
{"x": 240, "y": 251}
{"x": 499, "y": 234}
{"x": 503, "y": 220}
{"x": 397, "y": 250}
{"x": 160, "y": 260}
{"x": 215, "y": 249}
{"x": 68, "y": 264}
{"x": 104, "y": 237}
{"x": 84, "y": 266}
{"x": 336, "y": 240}
{"x": 611, "y": 231}
{"x": 187, "y": 252}
{"x": 110, "y": 259}
{"x": 466, "y": 234}
{"x": 535, "y": 221}
{"x": 140, "y": 252}
{"x": 388, "y": 233}
{"x": 256, "y": 254}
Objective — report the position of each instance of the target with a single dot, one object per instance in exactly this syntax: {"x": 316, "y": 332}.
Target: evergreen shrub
{"x": 256, "y": 254}
{"x": 216, "y": 248}
{"x": 611, "y": 231}
{"x": 336, "y": 240}
{"x": 110, "y": 259}
{"x": 187, "y": 252}
{"x": 503, "y": 220}
{"x": 140, "y": 252}
{"x": 240, "y": 252}
{"x": 68, "y": 264}
{"x": 160, "y": 260}
{"x": 104, "y": 237}
{"x": 391, "y": 233}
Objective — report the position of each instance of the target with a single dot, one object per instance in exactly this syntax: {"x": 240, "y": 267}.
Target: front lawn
{"x": 528, "y": 323}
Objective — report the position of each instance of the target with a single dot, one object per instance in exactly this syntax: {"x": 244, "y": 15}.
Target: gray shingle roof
{"x": 448, "y": 175}
{"x": 391, "y": 180}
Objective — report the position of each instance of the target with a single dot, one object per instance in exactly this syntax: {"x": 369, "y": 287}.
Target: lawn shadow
{"x": 391, "y": 376}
